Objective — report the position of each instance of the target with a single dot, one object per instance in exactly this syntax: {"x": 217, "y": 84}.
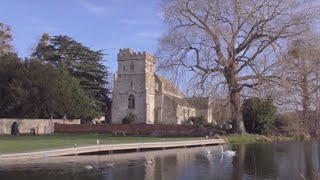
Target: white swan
{"x": 111, "y": 164}
{"x": 228, "y": 152}
{"x": 89, "y": 167}
{"x": 149, "y": 162}
{"x": 208, "y": 151}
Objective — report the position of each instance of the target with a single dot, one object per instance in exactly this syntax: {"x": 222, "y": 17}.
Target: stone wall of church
{"x": 135, "y": 76}
{"x": 169, "y": 115}
{"x": 157, "y": 109}
{"x": 183, "y": 113}
{"x": 150, "y": 91}
{"x": 120, "y": 107}
{"x": 210, "y": 117}
{"x": 203, "y": 112}
{"x": 158, "y": 100}
{"x": 126, "y": 84}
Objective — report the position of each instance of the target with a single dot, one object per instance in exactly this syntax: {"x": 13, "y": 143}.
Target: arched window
{"x": 131, "y": 66}
{"x": 124, "y": 68}
{"x": 131, "y": 103}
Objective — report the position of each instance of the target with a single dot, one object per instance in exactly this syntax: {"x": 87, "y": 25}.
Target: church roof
{"x": 179, "y": 101}
{"x": 169, "y": 86}
{"x": 171, "y": 90}
{"x": 198, "y": 102}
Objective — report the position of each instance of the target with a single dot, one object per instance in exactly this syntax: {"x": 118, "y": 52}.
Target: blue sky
{"x": 98, "y": 24}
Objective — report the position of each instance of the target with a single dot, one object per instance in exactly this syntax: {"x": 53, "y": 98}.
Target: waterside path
{"x": 109, "y": 149}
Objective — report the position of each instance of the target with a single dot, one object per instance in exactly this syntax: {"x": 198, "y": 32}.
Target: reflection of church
{"x": 148, "y": 98}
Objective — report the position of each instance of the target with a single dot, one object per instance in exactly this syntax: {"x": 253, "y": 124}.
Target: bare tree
{"x": 229, "y": 42}
{"x": 5, "y": 39}
{"x": 300, "y": 69}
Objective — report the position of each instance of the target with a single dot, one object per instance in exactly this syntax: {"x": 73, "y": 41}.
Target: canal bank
{"x": 274, "y": 160}
{"x": 256, "y": 138}
{"x": 112, "y": 148}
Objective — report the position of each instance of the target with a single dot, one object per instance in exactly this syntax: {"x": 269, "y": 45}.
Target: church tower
{"x": 134, "y": 90}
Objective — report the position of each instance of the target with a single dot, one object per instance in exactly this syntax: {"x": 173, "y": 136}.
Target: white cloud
{"x": 94, "y": 8}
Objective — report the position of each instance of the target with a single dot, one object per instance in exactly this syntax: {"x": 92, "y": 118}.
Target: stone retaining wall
{"x": 41, "y": 126}
{"x": 140, "y": 129}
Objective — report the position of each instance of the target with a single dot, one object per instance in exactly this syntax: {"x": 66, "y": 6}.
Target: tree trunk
{"x": 305, "y": 95}
{"x": 51, "y": 118}
{"x": 234, "y": 95}
{"x": 236, "y": 113}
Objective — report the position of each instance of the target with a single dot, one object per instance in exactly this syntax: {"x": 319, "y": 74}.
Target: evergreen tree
{"x": 5, "y": 39}
{"x": 9, "y": 66}
{"x": 258, "y": 115}
{"x": 81, "y": 62}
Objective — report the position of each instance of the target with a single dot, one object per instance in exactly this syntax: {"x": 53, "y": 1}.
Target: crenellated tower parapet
{"x": 129, "y": 54}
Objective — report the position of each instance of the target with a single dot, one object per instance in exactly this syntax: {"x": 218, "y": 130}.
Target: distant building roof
{"x": 198, "y": 102}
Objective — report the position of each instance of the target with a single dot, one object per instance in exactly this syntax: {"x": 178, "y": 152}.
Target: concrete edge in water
{"x": 110, "y": 148}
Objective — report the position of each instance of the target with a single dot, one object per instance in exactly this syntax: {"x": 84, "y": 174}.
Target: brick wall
{"x": 139, "y": 129}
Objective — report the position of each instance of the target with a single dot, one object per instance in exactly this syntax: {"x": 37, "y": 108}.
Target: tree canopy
{"x": 32, "y": 89}
{"x": 81, "y": 62}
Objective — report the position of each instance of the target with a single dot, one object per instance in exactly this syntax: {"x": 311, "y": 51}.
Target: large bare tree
{"x": 231, "y": 42}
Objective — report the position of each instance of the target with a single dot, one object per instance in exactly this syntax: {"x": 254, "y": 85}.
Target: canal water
{"x": 283, "y": 160}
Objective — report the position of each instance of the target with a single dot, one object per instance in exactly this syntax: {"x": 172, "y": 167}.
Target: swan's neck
{"x": 221, "y": 149}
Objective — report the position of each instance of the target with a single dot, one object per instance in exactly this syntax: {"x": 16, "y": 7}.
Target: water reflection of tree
{"x": 165, "y": 167}
{"x": 133, "y": 169}
{"x": 238, "y": 162}
{"x": 311, "y": 160}
{"x": 308, "y": 160}
{"x": 297, "y": 158}
{"x": 255, "y": 161}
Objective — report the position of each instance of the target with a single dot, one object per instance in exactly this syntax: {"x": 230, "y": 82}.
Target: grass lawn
{"x": 10, "y": 144}
{"x": 236, "y": 138}
{"x": 255, "y": 138}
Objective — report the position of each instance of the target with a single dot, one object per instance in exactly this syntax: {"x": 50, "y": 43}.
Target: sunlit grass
{"x": 237, "y": 138}
{"x": 255, "y": 138}
{"x": 10, "y": 144}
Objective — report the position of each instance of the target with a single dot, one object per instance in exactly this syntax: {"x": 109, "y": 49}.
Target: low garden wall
{"x": 140, "y": 129}
{"x": 41, "y": 126}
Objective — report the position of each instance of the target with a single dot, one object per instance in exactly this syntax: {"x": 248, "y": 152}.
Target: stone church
{"x": 140, "y": 93}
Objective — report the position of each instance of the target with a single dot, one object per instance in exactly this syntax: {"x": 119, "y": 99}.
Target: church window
{"x": 131, "y": 84}
{"x": 156, "y": 87}
{"x": 131, "y": 66}
{"x": 124, "y": 68}
{"x": 119, "y": 76}
{"x": 131, "y": 104}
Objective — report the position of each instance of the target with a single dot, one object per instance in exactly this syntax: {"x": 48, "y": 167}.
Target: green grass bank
{"x": 12, "y": 144}
{"x": 255, "y": 138}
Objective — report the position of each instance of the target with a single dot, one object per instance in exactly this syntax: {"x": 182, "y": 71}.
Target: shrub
{"x": 280, "y": 122}
{"x": 128, "y": 119}
{"x": 258, "y": 115}
{"x": 302, "y": 136}
{"x": 197, "y": 120}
